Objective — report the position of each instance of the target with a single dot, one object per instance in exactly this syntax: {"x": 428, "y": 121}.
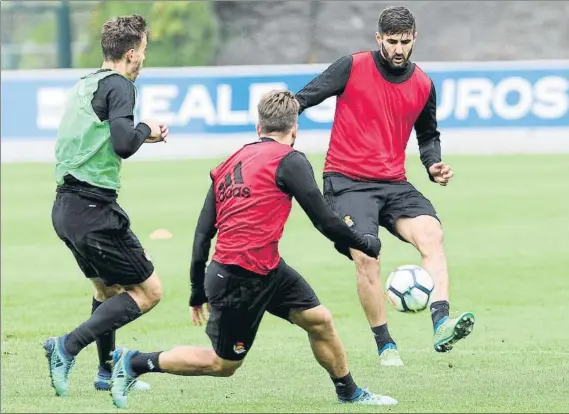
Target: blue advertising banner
{"x": 222, "y": 100}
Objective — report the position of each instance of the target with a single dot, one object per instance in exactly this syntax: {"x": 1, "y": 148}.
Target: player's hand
{"x": 158, "y": 132}
{"x": 198, "y": 315}
{"x": 441, "y": 173}
{"x": 197, "y": 300}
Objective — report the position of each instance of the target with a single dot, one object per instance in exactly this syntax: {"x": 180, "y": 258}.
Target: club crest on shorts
{"x": 239, "y": 348}
{"x": 348, "y": 220}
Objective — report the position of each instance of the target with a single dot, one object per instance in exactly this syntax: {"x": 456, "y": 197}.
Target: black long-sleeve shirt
{"x": 295, "y": 177}
{"x": 334, "y": 79}
{"x": 114, "y": 101}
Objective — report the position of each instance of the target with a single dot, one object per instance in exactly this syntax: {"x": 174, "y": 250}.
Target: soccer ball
{"x": 409, "y": 288}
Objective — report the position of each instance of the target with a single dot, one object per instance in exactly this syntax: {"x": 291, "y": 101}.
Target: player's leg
{"x": 100, "y": 239}
{"x": 109, "y": 316}
{"x": 143, "y": 291}
{"x": 410, "y": 216}
{"x": 237, "y": 305}
{"x": 296, "y": 302}
{"x": 129, "y": 365}
{"x": 357, "y": 203}
{"x": 106, "y": 343}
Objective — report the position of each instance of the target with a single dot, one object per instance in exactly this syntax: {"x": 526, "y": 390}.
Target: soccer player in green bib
{"x": 96, "y": 132}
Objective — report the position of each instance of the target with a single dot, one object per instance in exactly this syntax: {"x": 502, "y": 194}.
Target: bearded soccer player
{"x": 96, "y": 132}
{"x": 248, "y": 204}
{"x": 381, "y": 97}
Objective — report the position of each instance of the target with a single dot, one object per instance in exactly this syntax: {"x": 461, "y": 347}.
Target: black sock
{"x": 439, "y": 310}
{"x": 110, "y": 315}
{"x": 382, "y": 337}
{"x": 143, "y": 363}
{"x": 345, "y": 387}
{"x": 105, "y": 343}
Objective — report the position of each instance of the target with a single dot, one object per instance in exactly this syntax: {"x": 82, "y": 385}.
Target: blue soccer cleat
{"x": 364, "y": 397}
{"x": 102, "y": 382}
{"x": 59, "y": 363}
{"x": 389, "y": 356}
{"x": 123, "y": 379}
{"x": 451, "y": 330}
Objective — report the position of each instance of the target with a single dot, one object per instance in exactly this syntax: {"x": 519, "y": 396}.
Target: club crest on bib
{"x": 348, "y": 220}
{"x": 239, "y": 348}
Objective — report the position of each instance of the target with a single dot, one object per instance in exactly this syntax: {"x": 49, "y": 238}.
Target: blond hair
{"x": 278, "y": 112}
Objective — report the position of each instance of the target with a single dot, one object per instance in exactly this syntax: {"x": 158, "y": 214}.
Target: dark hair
{"x": 396, "y": 20}
{"x": 120, "y": 34}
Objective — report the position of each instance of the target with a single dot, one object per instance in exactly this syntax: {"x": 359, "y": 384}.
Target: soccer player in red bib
{"x": 247, "y": 206}
{"x": 381, "y": 97}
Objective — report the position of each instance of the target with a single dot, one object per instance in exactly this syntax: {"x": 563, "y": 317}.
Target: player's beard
{"x": 136, "y": 71}
{"x": 390, "y": 59}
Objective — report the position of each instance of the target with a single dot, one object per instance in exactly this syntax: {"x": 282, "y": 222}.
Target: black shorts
{"x": 238, "y": 300}
{"x": 370, "y": 205}
{"x": 98, "y": 234}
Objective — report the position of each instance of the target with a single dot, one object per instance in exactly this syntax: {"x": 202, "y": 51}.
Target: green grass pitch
{"x": 506, "y": 221}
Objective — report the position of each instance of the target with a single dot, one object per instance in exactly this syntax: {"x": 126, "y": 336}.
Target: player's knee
{"x": 367, "y": 267}
{"x": 227, "y": 371}
{"x": 106, "y": 292}
{"x": 223, "y": 367}
{"x": 321, "y": 322}
{"x": 154, "y": 294}
{"x": 147, "y": 294}
{"x": 429, "y": 240}
{"x": 325, "y": 323}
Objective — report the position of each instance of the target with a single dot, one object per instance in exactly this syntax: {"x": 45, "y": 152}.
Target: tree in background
{"x": 181, "y": 33}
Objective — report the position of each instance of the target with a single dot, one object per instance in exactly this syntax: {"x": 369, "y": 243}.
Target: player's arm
{"x": 331, "y": 82}
{"x": 428, "y": 135}
{"x": 205, "y": 232}
{"x": 296, "y": 177}
{"x": 125, "y": 136}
